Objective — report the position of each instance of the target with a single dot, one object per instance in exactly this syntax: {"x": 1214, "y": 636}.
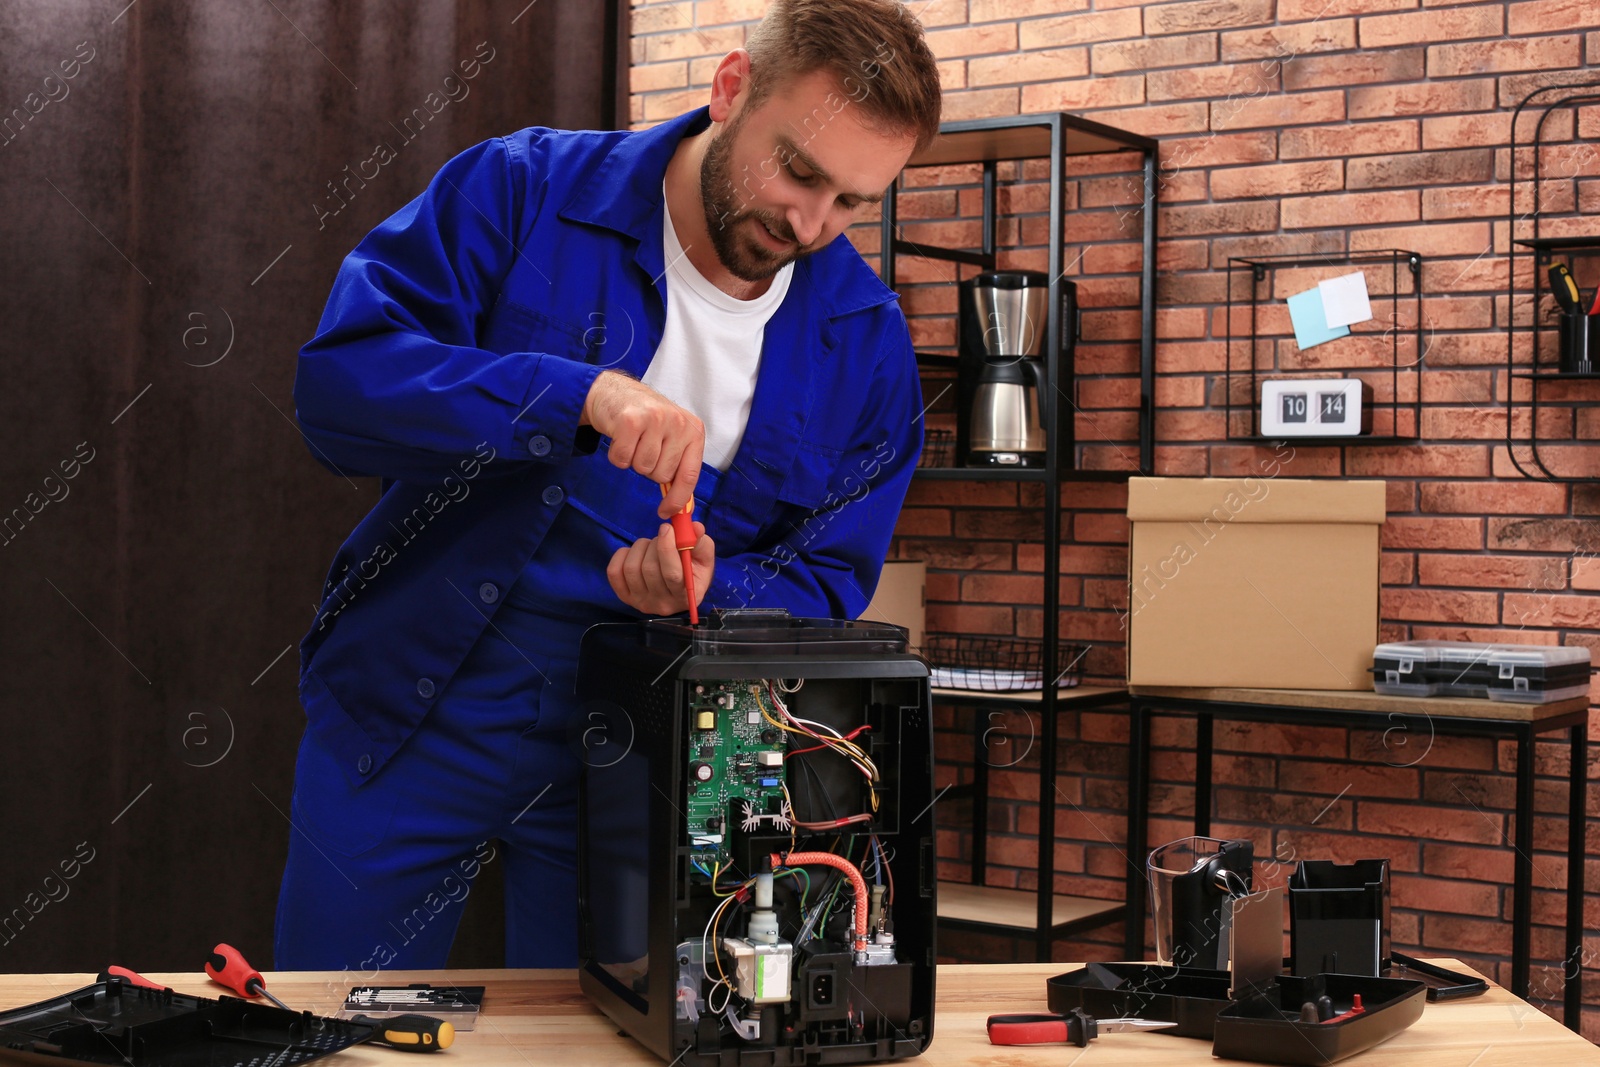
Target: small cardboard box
{"x": 1263, "y": 583}
{"x": 901, "y": 598}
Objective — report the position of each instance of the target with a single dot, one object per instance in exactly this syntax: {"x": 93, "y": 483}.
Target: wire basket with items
{"x": 994, "y": 664}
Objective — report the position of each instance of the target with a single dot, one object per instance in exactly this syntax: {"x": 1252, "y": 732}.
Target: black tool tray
{"x": 1186, "y": 996}
{"x": 117, "y": 1022}
{"x": 1266, "y": 1027}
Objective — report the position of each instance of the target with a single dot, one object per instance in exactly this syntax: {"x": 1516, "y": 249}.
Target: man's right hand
{"x": 649, "y": 433}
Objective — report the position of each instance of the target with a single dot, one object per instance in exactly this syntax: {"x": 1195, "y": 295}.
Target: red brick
{"x": 1422, "y": 98}
{"x": 1479, "y": 864}
{"x": 1426, "y": 27}
{"x": 1423, "y": 168}
{"x": 1433, "y": 605}
{"x": 1404, "y": 532}
{"x": 1355, "y": 139}
{"x": 1284, "y": 109}
{"x": 1084, "y": 94}
{"x": 1158, "y": 120}
{"x": 1543, "y": 16}
{"x": 1303, "y": 212}
{"x": 1082, "y": 29}
{"x": 1236, "y": 81}
{"x": 1361, "y": 68}
{"x": 1437, "y": 239}
{"x": 1441, "y": 896}
{"x": 1547, "y": 609}
{"x": 1280, "y": 179}
{"x": 1304, "y": 10}
{"x": 973, "y": 40}
{"x": 993, "y": 10}
{"x": 1585, "y": 572}
{"x": 646, "y": 78}
{"x": 662, "y": 18}
{"x": 1396, "y": 568}
{"x": 1151, "y": 53}
{"x": 699, "y": 43}
{"x": 1217, "y": 150}
{"x": 1490, "y": 571}
{"x": 1475, "y": 498}
{"x": 1286, "y": 42}
{"x": 1049, "y": 65}
{"x": 1199, "y": 15}
{"x": 923, "y": 522}
{"x": 1467, "y": 202}
{"x": 1430, "y": 823}
{"x": 979, "y": 103}
{"x": 1545, "y": 535}
{"x": 718, "y": 12}
{"x": 1493, "y": 57}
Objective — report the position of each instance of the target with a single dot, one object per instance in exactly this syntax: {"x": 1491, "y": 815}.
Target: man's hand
{"x": 649, "y": 575}
{"x": 650, "y": 434}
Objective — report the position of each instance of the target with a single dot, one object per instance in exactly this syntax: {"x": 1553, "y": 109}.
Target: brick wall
{"x": 1286, "y": 126}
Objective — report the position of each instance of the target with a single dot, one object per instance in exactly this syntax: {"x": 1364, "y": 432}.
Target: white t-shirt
{"x": 710, "y": 351}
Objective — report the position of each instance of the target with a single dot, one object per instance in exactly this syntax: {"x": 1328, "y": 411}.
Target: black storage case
{"x": 644, "y": 904}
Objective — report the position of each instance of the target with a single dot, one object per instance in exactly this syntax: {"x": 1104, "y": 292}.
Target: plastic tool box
{"x": 1526, "y": 674}
{"x": 117, "y": 1023}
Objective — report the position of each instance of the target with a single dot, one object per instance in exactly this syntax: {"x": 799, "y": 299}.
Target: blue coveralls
{"x": 452, "y": 361}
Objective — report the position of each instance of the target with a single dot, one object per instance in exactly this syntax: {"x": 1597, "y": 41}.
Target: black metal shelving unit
{"x": 1543, "y": 250}
{"x": 1261, "y": 271}
{"x": 1056, "y": 137}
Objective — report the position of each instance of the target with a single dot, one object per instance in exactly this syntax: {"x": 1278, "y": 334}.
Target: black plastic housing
{"x": 118, "y": 1023}
{"x": 640, "y": 898}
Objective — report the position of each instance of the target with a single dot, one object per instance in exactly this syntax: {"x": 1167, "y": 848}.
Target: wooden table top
{"x": 539, "y": 1017}
{"x": 1366, "y": 700}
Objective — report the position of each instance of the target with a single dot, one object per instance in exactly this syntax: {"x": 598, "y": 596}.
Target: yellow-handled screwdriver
{"x": 410, "y": 1033}
{"x": 1565, "y": 288}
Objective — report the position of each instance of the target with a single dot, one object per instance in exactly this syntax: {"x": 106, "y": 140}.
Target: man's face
{"x": 783, "y": 180}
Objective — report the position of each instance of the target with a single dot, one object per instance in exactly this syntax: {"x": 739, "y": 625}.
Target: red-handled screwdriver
{"x": 133, "y": 977}
{"x": 684, "y": 537}
{"x": 228, "y": 966}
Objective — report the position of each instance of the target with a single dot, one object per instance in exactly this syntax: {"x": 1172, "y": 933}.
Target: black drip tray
{"x": 117, "y": 1023}
{"x": 1267, "y": 1028}
{"x": 1187, "y": 996}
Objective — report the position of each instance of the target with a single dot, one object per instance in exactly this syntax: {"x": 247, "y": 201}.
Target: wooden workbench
{"x": 538, "y": 1017}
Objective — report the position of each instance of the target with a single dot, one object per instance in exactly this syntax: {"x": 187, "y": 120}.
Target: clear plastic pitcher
{"x": 1191, "y": 881}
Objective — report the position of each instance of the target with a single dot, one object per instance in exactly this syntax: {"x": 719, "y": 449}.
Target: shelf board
{"x": 1065, "y": 698}
{"x": 1553, "y": 375}
{"x": 1357, "y": 439}
{"x": 1016, "y": 474}
{"x": 1561, "y": 244}
{"x": 1017, "y": 909}
{"x": 1027, "y": 137}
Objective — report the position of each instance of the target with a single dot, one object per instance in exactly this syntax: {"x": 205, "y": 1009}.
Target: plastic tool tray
{"x": 115, "y": 1022}
{"x": 1264, "y": 1027}
{"x": 1525, "y": 674}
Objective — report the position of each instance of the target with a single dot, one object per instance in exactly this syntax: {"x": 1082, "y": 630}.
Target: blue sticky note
{"x": 1311, "y": 321}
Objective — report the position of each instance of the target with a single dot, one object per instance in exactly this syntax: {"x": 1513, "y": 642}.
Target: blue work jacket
{"x": 453, "y": 360}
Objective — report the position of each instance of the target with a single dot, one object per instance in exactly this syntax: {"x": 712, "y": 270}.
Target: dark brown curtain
{"x": 168, "y": 234}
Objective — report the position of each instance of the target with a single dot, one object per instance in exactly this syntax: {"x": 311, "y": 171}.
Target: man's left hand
{"x": 648, "y": 576}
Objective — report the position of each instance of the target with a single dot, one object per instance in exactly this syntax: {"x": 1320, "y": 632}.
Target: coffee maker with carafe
{"x": 1004, "y": 318}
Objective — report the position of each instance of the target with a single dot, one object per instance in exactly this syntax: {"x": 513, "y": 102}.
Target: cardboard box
{"x": 1264, "y": 583}
{"x": 901, "y": 597}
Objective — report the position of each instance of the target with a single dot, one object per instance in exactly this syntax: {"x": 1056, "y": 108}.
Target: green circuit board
{"x": 735, "y": 762}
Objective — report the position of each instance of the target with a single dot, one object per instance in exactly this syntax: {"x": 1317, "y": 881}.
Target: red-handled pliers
{"x": 1076, "y": 1027}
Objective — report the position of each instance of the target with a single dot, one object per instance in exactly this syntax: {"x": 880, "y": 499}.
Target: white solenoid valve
{"x": 762, "y": 962}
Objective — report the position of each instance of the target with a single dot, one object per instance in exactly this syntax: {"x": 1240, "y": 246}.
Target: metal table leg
{"x": 1522, "y": 877}
{"x": 1577, "y": 824}
{"x": 1138, "y": 817}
